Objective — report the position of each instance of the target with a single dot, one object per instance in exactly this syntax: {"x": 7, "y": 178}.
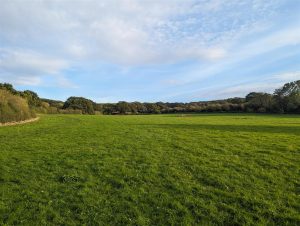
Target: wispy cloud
{"x": 200, "y": 42}
{"x": 288, "y": 76}
{"x": 131, "y": 31}
{"x": 240, "y": 89}
{"x": 27, "y": 67}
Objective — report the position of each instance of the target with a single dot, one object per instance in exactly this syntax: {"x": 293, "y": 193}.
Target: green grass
{"x": 233, "y": 169}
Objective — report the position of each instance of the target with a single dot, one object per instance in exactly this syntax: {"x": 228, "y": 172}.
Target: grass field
{"x": 233, "y": 169}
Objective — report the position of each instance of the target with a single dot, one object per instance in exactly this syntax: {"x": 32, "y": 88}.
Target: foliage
{"x": 79, "y": 103}
{"x": 8, "y": 87}
{"x": 288, "y": 97}
{"x": 32, "y": 98}
{"x": 53, "y": 103}
{"x": 208, "y": 169}
{"x": 260, "y": 102}
{"x": 288, "y": 89}
{"x": 13, "y": 108}
{"x": 123, "y": 107}
{"x": 284, "y": 100}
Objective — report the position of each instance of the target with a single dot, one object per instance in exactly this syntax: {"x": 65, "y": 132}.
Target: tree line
{"x": 283, "y": 100}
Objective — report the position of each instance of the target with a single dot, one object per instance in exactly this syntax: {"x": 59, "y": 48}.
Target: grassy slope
{"x": 151, "y": 170}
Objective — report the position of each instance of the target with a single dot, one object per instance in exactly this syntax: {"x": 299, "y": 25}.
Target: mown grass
{"x": 230, "y": 169}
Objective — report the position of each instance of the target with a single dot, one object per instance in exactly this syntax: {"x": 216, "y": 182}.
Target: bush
{"x": 13, "y": 108}
{"x": 70, "y": 111}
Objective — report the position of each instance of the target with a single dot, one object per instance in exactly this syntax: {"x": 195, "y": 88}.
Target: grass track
{"x": 235, "y": 169}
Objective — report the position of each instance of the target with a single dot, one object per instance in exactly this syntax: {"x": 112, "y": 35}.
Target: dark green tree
{"x": 9, "y": 88}
{"x": 123, "y": 107}
{"x": 32, "y": 98}
{"x": 80, "y": 103}
{"x": 287, "y": 98}
{"x": 259, "y": 102}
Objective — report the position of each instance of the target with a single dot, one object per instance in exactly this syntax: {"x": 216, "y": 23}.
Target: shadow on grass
{"x": 295, "y": 130}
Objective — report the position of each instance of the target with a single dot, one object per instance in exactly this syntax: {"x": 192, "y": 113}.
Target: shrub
{"x": 13, "y": 108}
{"x": 70, "y": 111}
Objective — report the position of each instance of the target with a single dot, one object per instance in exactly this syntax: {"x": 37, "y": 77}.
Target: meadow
{"x": 207, "y": 169}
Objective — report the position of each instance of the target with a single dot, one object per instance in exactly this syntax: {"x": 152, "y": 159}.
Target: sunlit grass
{"x": 151, "y": 170}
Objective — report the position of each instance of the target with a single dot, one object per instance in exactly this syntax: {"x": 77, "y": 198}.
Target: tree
{"x": 288, "y": 89}
{"x": 9, "y": 88}
{"x": 98, "y": 107}
{"x": 252, "y": 96}
{"x": 123, "y": 107}
{"x": 108, "y": 109}
{"x": 80, "y": 103}
{"x": 287, "y": 98}
{"x": 259, "y": 102}
{"x": 152, "y": 108}
{"x": 32, "y": 98}
{"x": 54, "y": 103}
{"x": 141, "y": 108}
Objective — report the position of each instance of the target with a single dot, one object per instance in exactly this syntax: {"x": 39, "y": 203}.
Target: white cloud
{"x": 288, "y": 76}
{"x": 76, "y": 50}
{"x": 267, "y": 85}
{"x": 240, "y": 88}
{"x": 286, "y": 37}
{"x": 40, "y": 38}
{"x": 65, "y": 83}
{"x": 28, "y": 61}
{"x": 27, "y": 67}
{"x": 234, "y": 57}
{"x": 130, "y": 31}
{"x": 29, "y": 80}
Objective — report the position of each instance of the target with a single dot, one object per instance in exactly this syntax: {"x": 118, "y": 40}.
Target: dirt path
{"x": 20, "y": 122}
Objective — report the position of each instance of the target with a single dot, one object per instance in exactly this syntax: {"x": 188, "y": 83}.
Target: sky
{"x": 149, "y": 50}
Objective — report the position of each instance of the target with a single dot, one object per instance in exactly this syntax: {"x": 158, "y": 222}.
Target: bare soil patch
{"x": 20, "y": 122}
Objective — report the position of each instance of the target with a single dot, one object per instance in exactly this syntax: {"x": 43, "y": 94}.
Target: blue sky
{"x": 142, "y": 50}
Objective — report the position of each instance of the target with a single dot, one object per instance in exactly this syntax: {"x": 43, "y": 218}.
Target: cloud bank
{"x": 42, "y": 39}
